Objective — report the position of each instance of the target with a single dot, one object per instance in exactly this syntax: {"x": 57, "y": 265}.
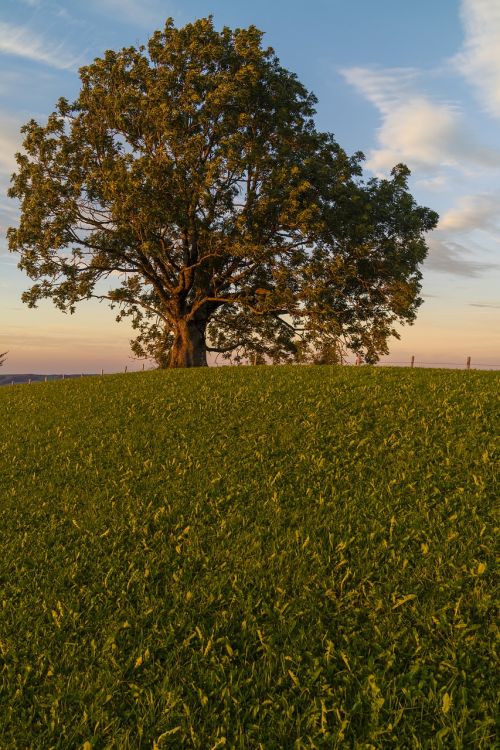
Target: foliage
{"x": 317, "y": 573}
{"x": 2, "y": 357}
{"x": 193, "y": 172}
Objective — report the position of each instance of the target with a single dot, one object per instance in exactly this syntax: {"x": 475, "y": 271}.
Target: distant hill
{"x": 26, "y": 377}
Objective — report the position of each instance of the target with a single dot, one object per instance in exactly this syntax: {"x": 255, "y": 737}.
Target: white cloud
{"x": 415, "y": 129}
{"x": 473, "y": 212}
{"x": 419, "y": 132}
{"x": 21, "y": 42}
{"x": 479, "y": 61}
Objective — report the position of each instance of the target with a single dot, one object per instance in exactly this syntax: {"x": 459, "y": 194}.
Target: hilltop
{"x": 268, "y": 557}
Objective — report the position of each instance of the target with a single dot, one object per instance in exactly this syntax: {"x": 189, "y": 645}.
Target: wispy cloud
{"x": 22, "y": 42}
{"x": 466, "y": 235}
{"x": 8, "y": 147}
{"x": 479, "y": 60}
{"x": 151, "y": 14}
{"x": 415, "y": 129}
{"x": 492, "y": 306}
{"x": 434, "y": 184}
{"x": 383, "y": 87}
{"x": 10, "y": 143}
{"x": 473, "y": 212}
{"x": 446, "y": 255}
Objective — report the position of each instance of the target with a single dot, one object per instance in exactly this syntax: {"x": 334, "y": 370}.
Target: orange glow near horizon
{"x": 47, "y": 341}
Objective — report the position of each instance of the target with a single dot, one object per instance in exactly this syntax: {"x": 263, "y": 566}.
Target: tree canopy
{"x": 188, "y": 186}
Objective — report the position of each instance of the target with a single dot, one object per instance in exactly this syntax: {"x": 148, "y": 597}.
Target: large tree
{"x": 188, "y": 185}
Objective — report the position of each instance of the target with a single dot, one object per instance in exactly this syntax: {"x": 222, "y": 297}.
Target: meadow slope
{"x": 265, "y": 557}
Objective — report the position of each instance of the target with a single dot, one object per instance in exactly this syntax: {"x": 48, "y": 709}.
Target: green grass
{"x": 249, "y": 558}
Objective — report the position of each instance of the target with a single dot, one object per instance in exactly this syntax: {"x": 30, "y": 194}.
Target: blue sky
{"x": 400, "y": 81}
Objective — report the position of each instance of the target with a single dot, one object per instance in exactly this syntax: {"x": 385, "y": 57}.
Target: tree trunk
{"x": 189, "y": 348}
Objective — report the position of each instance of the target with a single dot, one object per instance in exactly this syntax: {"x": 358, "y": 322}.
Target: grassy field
{"x": 249, "y": 558}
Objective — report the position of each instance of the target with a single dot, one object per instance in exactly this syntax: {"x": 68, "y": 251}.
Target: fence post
{"x": 125, "y": 368}
{"x": 468, "y": 363}
{"x": 143, "y": 366}
{"x": 29, "y": 381}
{"x": 102, "y": 370}
{"x": 45, "y": 378}
{"x": 412, "y": 360}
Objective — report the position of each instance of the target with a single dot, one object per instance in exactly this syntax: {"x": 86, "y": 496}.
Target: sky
{"x": 408, "y": 82}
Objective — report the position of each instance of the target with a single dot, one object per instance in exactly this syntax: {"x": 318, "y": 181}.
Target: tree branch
{"x": 222, "y": 350}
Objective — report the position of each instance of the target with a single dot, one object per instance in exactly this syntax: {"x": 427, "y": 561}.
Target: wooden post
{"x": 29, "y": 381}
{"x": 143, "y": 366}
{"x": 45, "y": 378}
{"x": 125, "y": 368}
{"x": 63, "y": 377}
{"x": 12, "y": 383}
{"x": 412, "y": 360}
{"x": 102, "y": 370}
{"x": 468, "y": 363}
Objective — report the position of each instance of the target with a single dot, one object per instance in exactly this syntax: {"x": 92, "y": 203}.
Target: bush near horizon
{"x": 249, "y": 558}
